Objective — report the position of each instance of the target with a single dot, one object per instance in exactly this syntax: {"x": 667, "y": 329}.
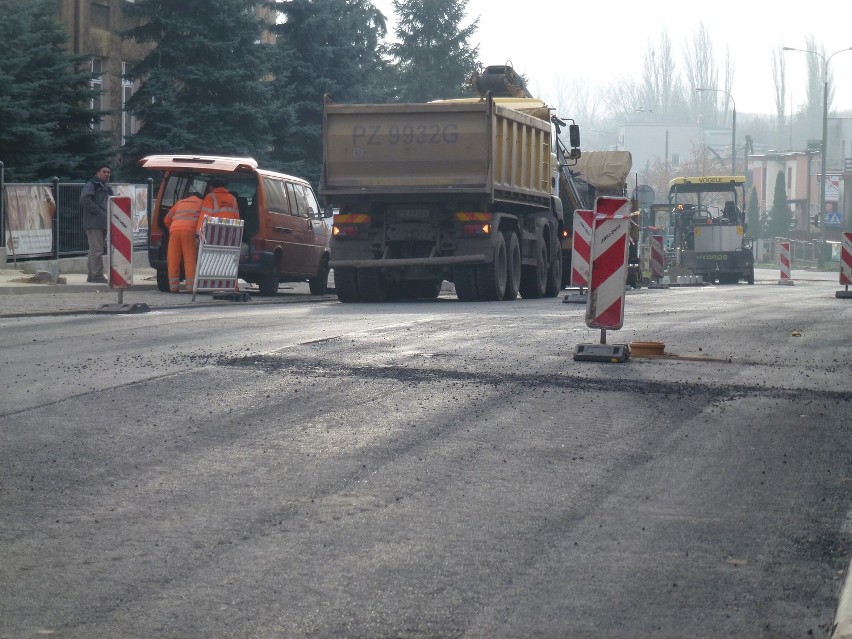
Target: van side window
{"x": 300, "y": 207}
{"x": 314, "y": 209}
{"x": 276, "y": 196}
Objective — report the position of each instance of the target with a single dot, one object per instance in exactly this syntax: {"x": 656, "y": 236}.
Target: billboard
{"x": 29, "y": 211}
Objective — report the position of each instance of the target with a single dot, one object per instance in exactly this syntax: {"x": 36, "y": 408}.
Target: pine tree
{"x": 432, "y": 52}
{"x": 204, "y": 85}
{"x": 45, "y": 120}
{"x": 324, "y": 47}
{"x": 753, "y": 215}
{"x": 780, "y": 215}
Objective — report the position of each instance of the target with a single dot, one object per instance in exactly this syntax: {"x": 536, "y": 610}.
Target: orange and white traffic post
{"x": 658, "y": 257}
{"x": 581, "y": 253}
{"x": 845, "y": 266}
{"x": 784, "y": 261}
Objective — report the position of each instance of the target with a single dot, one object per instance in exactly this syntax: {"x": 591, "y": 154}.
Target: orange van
{"x": 285, "y": 236}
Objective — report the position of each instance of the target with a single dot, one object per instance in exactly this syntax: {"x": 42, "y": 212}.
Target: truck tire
{"x": 554, "y": 273}
{"x": 491, "y": 277}
{"x": 513, "y": 265}
{"x": 429, "y": 289}
{"x": 372, "y": 287}
{"x": 750, "y": 277}
{"x": 163, "y": 281}
{"x": 534, "y": 278}
{"x": 464, "y": 278}
{"x": 346, "y": 285}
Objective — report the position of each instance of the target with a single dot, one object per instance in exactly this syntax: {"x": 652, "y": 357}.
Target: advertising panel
{"x": 29, "y": 211}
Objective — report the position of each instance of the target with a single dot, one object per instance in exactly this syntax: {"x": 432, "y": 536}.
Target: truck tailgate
{"x": 435, "y": 147}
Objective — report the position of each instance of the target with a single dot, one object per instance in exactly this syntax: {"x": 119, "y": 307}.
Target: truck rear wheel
{"x": 534, "y": 278}
{"x": 491, "y": 277}
{"x": 513, "y": 265}
{"x": 554, "y": 273}
{"x": 372, "y": 286}
{"x": 346, "y": 285}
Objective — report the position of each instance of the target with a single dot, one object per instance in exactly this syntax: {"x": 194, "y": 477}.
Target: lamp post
{"x": 733, "y": 127}
{"x": 823, "y": 149}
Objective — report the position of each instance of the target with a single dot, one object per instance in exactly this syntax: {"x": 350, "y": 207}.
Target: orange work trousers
{"x": 181, "y": 247}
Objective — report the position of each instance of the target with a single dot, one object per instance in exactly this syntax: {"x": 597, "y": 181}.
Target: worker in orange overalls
{"x": 181, "y": 221}
{"x": 218, "y": 203}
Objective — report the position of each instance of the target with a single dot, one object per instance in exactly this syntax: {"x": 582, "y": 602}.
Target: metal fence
{"x": 803, "y": 253}
{"x": 43, "y": 220}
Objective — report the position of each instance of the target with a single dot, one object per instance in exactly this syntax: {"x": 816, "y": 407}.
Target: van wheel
{"x": 163, "y": 281}
{"x": 554, "y": 273}
{"x": 269, "y": 281}
{"x": 372, "y": 286}
{"x": 346, "y": 285}
{"x": 319, "y": 284}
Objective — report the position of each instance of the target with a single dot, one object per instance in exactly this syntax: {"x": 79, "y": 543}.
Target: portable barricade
{"x": 218, "y": 255}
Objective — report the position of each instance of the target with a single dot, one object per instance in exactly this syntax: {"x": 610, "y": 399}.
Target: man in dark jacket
{"x": 93, "y": 200}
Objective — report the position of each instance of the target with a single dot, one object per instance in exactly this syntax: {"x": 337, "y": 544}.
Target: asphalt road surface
{"x": 431, "y": 469}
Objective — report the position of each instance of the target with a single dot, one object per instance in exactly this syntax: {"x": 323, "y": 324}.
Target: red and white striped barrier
{"x": 218, "y": 255}
{"x": 846, "y": 259}
{"x": 658, "y": 257}
{"x": 120, "y": 241}
{"x": 581, "y": 247}
{"x": 784, "y": 261}
{"x": 605, "y": 305}
{"x": 612, "y": 206}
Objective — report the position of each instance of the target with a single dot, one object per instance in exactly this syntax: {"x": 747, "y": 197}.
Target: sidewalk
{"x": 27, "y": 294}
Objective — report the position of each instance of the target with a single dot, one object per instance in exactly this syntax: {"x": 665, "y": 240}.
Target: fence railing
{"x": 44, "y": 220}
{"x": 803, "y": 253}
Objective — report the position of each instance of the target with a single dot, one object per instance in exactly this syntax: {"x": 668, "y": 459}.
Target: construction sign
{"x": 605, "y": 305}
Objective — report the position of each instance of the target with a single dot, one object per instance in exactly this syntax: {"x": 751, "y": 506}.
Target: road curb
{"x": 843, "y": 618}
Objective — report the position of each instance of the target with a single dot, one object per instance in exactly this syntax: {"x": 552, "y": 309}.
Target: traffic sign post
{"x": 607, "y": 282}
{"x": 120, "y": 252}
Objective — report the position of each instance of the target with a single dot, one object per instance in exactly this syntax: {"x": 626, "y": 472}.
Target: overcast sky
{"x": 556, "y": 41}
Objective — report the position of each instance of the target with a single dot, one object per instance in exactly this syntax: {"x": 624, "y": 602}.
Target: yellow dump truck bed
{"x": 466, "y": 147}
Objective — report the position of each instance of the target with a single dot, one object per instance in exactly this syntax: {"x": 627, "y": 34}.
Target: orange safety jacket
{"x": 183, "y": 216}
{"x": 218, "y": 203}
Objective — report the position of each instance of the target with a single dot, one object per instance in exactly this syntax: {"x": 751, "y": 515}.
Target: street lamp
{"x": 823, "y": 150}
{"x": 733, "y": 127}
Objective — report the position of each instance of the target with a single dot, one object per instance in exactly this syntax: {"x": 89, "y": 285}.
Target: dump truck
{"x": 463, "y": 190}
{"x": 709, "y": 230}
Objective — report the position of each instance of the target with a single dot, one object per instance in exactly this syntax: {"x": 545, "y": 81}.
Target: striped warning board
{"x": 612, "y": 206}
{"x": 784, "y": 261}
{"x": 581, "y": 247}
{"x": 658, "y": 256}
{"x": 120, "y": 241}
{"x": 218, "y": 255}
{"x": 846, "y": 259}
{"x": 605, "y": 305}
